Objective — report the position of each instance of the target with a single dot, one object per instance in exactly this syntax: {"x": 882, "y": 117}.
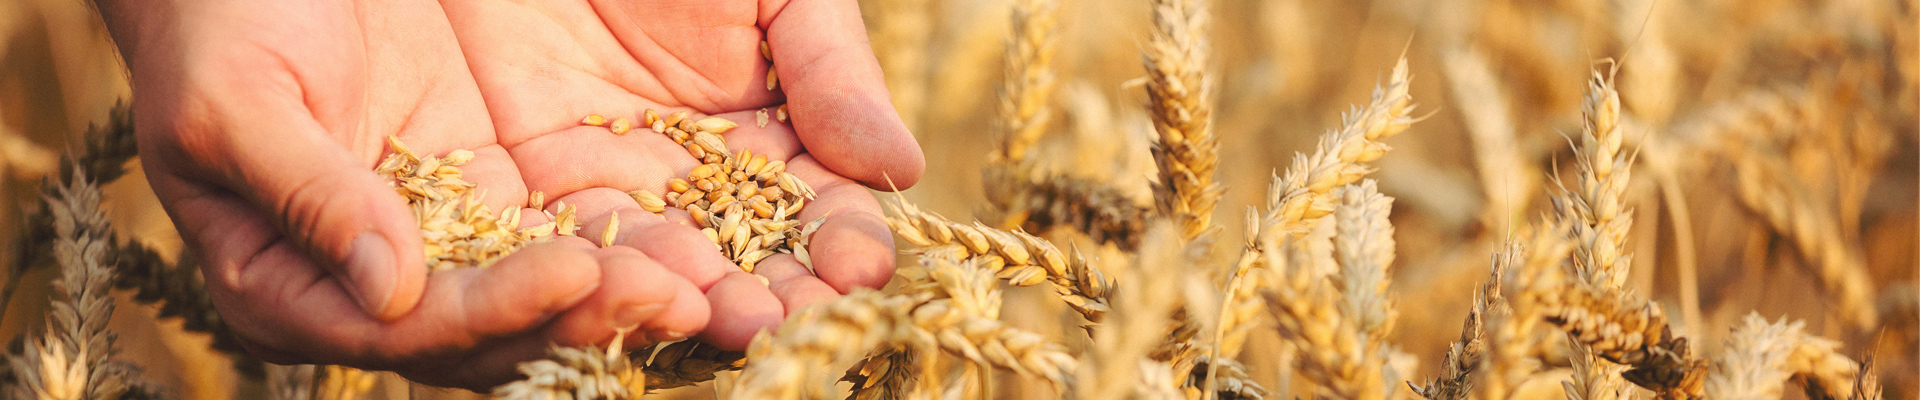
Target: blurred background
{"x": 1833, "y": 85}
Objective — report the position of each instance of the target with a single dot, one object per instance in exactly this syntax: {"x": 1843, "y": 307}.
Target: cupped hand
{"x": 543, "y": 65}
{"x": 259, "y": 123}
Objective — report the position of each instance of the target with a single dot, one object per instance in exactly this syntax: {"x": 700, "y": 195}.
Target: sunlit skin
{"x": 259, "y": 123}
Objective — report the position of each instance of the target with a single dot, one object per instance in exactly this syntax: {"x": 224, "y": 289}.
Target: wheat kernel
{"x": 715, "y": 125}
{"x": 773, "y": 79}
{"x": 675, "y": 118}
{"x": 760, "y": 118}
{"x": 702, "y": 172}
{"x": 677, "y": 185}
{"x": 649, "y": 201}
{"x": 780, "y": 113}
{"x": 613, "y": 228}
{"x": 620, "y": 126}
{"x": 649, "y": 117}
{"x": 766, "y": 51}
{"x": 593, "y": 120}
{"x": 537, "y": 200}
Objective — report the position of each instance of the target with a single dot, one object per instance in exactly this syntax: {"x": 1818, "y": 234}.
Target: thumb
{"x": 347, "y": 218}
{"x": 837, "y": 95}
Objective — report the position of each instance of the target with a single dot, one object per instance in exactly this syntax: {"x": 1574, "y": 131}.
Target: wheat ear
{"x": 1595, "y": 209}
{"x": 1116, "y": 364}
{"x": 1760, "y": 357}
{"x": 686, "y": 363}
{"x": 1026, "y": 96}
{"x": 1769, "y": 188}
{"x": 1339, "y": 321}
{"x": 1095, "y": 208}
{"x": 1303, "y": 195}
{"x": 578, "y": 373}
{"x": 1594, "y": 379}
{"x": 1464, "y": 356}
{"x": 73, "y": 358}
{"x": 1180, "y": 94}
{"x": 1018, "y": 258}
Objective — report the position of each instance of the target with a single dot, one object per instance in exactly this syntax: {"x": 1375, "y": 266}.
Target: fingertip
{"x": 742, "y": 307}
{"x": 853, "y": 250}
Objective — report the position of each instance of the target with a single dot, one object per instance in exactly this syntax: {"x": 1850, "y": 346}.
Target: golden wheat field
{"x": 1165, "y": 199}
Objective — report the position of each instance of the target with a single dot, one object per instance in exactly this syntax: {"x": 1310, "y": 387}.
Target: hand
{"x": 543, "y": 65}
{"x": 259, "y": 123}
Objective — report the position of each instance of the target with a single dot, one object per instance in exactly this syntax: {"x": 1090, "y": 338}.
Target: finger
{"x": 635, "y": 293}
{"x": 836, "y": 95}
{"x": 684, "y": 250}
{"x": 460, "y": 308}
{"x": 776, "y": 140}
{"x": 333, "y": 206}
{"x": 575, "y": 159}
{"x": 853, "y": 248}
{"x": 742, "y": 306}
{"x": 793, "y": 283}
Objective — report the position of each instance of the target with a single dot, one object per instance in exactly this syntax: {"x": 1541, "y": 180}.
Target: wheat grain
{"x": 457, "y": 230}
{"x": 745, "y": 202}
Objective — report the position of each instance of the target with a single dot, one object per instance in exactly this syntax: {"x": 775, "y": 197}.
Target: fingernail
{"x": 371, "y": 271}
{"x": 631, "y": 316}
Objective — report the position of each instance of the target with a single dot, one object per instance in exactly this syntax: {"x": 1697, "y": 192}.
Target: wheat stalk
{"x": 1181, "y": 97}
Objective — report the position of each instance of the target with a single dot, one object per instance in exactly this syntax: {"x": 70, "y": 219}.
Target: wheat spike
{"x": 578, "y": 373}
{"x": 1769, "y": 188}
{"x": 1339, "y": 320}
{"x": 686, "y": 363}
{"x": 1464, "y": 356}
{"x": 1594, "y": 379}
{"x": 73, "y": 358}
{"x": 1760, "y": 356}
{"x": 1095, "y": 208}
{"x": 1180, "y": 94}
{"x": 1517, "y": 332}
{"x": 1296, "y": 200}
{"x": 1595, "y": 208}
{"x": 1026, "y": 96}
{"x": 1113, "y": 368}
{"x": 1018, "y": 258}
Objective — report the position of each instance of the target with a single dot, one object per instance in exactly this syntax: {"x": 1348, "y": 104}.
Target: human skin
{"x": 259, "y": 123}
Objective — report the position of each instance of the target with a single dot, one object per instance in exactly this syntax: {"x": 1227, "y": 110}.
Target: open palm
{"x": 259, "y": 132}
{"x": 541, "y": 66}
